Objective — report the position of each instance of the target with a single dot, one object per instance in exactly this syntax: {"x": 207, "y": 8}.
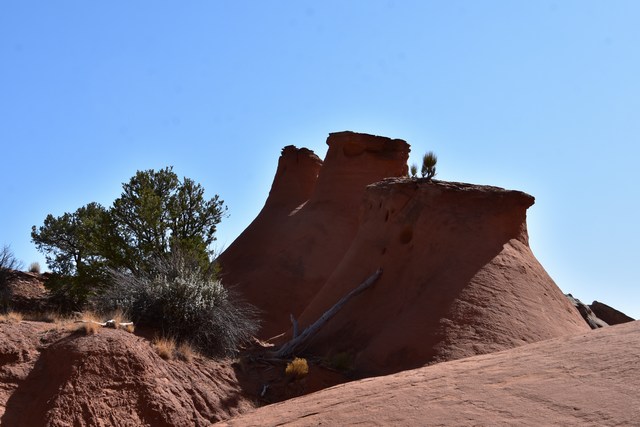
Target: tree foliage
{"x": 156, "y": 214}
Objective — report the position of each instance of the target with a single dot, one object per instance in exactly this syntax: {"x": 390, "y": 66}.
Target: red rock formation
{"x": 287, "y": 253}
{"x": 459, "y": 279}
{"x": 586, "y": 379}
{"x": 609, "y": 314}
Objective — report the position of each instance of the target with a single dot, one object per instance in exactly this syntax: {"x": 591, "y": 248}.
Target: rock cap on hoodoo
{"x": 295, "y": 177}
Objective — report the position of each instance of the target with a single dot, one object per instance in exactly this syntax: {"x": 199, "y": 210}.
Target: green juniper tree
{"x": 155, "y": 214}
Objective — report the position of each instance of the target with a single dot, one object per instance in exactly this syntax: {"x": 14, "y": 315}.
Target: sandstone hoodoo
{"x": 308, "y": 221}
{"x": 459, "y": 279}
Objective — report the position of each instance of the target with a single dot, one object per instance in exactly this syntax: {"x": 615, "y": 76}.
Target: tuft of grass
{"x": 128, "y": 328}
{"x": 298, "y": 368}
{"x": 185, "y": 352}
{"x": 165, "y": 347}
{"x": 89, "y": 328}
{"x": 11, "y": 317}
{"x": 46, "y": 317}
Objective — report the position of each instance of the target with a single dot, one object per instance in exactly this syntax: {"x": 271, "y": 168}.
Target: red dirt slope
{"x": 459, "y": 279}
{"x": 287, "y": 253}
{"x": 53, "y": 377}
{"x": 591, "y": 379}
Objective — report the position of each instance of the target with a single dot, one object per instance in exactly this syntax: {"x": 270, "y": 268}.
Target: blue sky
{"x": 539, "y": 96}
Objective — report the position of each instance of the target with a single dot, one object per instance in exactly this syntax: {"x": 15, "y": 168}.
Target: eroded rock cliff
{"x": 308, "y": 221}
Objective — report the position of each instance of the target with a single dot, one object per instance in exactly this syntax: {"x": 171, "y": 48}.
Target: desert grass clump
{"x": 184, "y": 301}
{"x": 185, "y": 352}
{"x": 297, "y": 369}
{"x": 165, "y": 347}
{"x": 45, "y": 316}
{"x": 34, "y": 267}
{"x": 11, "y": 317}
{"x": 128, "y": 328}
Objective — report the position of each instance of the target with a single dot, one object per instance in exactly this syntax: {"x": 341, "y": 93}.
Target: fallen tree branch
{"x": 288, "y": 348}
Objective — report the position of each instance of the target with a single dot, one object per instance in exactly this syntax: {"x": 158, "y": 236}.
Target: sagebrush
{"x": 184, "y": 301}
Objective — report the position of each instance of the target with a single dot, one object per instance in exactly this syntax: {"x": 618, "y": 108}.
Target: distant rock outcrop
{"x": 609, "y": 314}
{"x": 587, "y": 314}
{"x": 307, "y": 223}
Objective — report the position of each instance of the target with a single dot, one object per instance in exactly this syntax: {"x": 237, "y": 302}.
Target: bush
{"x": 34, "y": 267}
{"x": 298, "y": 368}
{"x": 429, "y": 161}
{"x": 183, "y": 301}
{"x": 413, "y": 171}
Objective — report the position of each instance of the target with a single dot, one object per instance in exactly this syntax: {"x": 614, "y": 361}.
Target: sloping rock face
{"x": 308, "y": 222}
{"x": 609, "y": 314}
{"x": 590, "y": 379}
{"x": 459, "y": 279}
{"x": 53, "y": 377}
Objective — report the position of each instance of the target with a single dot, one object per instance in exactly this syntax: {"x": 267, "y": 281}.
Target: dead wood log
{"x": 290, "y": 347}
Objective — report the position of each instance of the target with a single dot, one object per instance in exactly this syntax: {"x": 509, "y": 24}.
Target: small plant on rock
{"x": 429, "y": 161}
{"x": 413, "y": 171}
{"x": 297, "y": 369}
{"x": 165, "y": 347}
{"x": 34, "y": 267}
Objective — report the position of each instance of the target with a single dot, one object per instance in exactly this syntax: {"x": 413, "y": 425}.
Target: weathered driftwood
{"x": 290, "y": 347}
{"x": 108, "y": 324}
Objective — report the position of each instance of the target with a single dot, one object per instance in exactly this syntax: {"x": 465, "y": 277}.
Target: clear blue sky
{"x": 539, "y": 96}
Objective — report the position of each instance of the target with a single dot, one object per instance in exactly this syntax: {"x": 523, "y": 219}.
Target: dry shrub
{"x": 34, "y": 267}
{"x": 298, "y": 368}
{"x": 128, "y": 328}
{"x": 165, "y": 347}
